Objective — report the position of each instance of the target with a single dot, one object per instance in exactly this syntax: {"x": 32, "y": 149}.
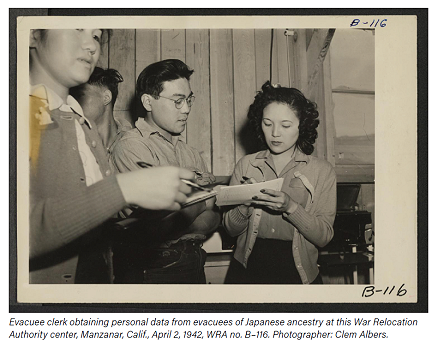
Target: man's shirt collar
{"x": 146, "y": 128}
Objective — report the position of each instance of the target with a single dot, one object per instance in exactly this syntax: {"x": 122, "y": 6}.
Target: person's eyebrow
{"x": 183, "y": 95}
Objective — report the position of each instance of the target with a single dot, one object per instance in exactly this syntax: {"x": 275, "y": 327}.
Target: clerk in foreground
{"x": 171, "y": 251}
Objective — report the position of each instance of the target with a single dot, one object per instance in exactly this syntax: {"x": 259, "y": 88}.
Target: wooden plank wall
{"x": 230, "y": 66}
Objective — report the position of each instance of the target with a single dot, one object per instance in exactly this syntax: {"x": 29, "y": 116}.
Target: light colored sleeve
{"x": 128, "y": 152}
{"x": 234, "y": 221}
{"x": 318, "y": 227}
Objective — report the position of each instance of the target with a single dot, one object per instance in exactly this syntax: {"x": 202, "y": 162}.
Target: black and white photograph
{"x": 253, "y": 162}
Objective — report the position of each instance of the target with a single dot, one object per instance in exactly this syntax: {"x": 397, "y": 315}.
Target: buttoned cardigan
{"x": 63, "y": 209}
{"x": 313, "y": 225}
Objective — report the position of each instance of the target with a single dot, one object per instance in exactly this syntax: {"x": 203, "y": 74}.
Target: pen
{"x": 144, "y": 165}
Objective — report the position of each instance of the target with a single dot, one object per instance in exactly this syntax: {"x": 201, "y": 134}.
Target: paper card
{"x": 240, "y": 194}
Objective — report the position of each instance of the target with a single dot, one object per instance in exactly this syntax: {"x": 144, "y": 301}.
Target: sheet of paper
{"x": 235, "y": 195}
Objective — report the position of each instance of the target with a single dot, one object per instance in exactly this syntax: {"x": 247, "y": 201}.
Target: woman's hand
{"x": 244, "y": 208}
{"x": 276, "y": 201}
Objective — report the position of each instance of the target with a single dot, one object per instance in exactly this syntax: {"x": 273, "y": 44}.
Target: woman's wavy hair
{"x": 304, "y": 109}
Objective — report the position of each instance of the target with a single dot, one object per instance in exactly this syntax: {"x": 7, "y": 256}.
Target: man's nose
{"x": 185, "y": 108}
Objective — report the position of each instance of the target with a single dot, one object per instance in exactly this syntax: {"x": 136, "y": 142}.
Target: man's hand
{"x": 158, "y": 188}
{"x": 202, "y": 178}
{"x": 205, "y": 178}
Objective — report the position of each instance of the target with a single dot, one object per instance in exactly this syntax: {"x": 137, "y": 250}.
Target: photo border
{"x": 422, "y": 174}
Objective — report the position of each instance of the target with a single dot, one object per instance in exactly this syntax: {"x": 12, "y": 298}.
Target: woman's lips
{"x": 276, "y": 143}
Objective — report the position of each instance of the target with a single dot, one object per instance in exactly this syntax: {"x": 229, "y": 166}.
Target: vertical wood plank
{"x": 292, "y": 59}
{"x": 147, "y": 48}
{"x": 330, "y": 132}
{"x": 308, "y": 35}
{"x": 173, "y": 47}
{"x": 282, "y": 58}
{"x": 199, "y": 121}
{"x": 274, "y": 62}
{"x": 300, "y": 60}
{"x": 222, "y": 117}
{"x": 244, "y": 87}
{"x": 320, "y": 101}
{"x": 173, "y": 44}
{"x": 122, "y": 57}
{"x": 262, "y": 40}
{"x": 147, "y": 52}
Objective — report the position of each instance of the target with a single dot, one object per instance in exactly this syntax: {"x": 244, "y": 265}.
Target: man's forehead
{"x": 180, "y": 86}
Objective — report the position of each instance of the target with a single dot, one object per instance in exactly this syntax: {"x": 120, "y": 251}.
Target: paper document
{"x": 235, "y": 195}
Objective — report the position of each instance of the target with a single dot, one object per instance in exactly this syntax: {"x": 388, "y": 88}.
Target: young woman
{"x": 72, "y": 190}
{"x": 279, "y": 233}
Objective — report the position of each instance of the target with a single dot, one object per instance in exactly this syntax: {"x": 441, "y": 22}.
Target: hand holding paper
{"x": 243, "y": 194}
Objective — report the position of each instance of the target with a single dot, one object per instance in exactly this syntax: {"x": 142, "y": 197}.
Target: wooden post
{"x": 122, "y": 56}
{"x": 244, "y": 86}
{"x": 330, "y": 131}
{"x": 222, "y": 110}
{"x": 199, "y": 120}
{"x": 300, "y": 60}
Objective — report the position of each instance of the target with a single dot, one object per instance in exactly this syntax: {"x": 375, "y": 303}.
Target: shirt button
{"x": 94, "y": 144}
{"x": 82, "y": 121}
{"x": 108, "y": 172}
{"x": 272, "y": 230}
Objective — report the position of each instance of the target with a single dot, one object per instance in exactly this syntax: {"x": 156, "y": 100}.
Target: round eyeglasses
{"x": 181, "y": 101}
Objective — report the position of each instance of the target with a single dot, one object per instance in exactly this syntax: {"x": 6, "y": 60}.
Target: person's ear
{"x": 107, "y": 97}
{"x": 34, "y": 37}
{"x": 146, "y": 102}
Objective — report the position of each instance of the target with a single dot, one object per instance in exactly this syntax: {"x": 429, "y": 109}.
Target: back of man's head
{"x": 151, "y": 79}
{"x": 108, "y": 78}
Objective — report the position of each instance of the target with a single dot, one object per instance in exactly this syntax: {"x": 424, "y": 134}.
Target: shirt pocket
{"x": 301, "y": 179}
{"x": 298, "y": 192}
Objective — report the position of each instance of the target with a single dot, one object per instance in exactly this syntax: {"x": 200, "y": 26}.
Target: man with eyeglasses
{"x": 165, "y": 248}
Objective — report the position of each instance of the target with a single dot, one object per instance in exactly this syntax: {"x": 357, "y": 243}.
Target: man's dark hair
{"x": 151, "y": 79}
{"x": 108, "y": 79}
{"x": 304, "y": 109}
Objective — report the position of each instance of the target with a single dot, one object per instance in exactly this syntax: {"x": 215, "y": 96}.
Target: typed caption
{"x": 201, "y": 328}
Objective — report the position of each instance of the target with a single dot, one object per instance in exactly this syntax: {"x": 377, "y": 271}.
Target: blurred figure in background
{"x": 97, "y": 98}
